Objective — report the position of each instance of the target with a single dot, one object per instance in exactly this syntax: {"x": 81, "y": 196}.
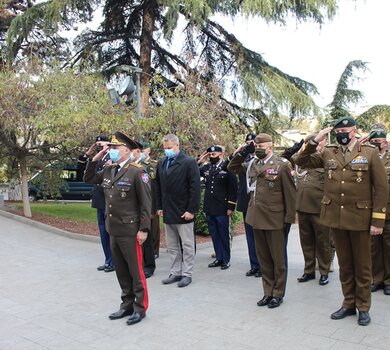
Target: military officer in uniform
{"x": 271, "y": 210}
{"x": 219, "y": 202}
{"x": 380, "y": 244}
{"x": 151, "y": 166}
{"x": 128, "y": 202}
{"x": 314, "y": 237}
{"x": 354, "y": 206}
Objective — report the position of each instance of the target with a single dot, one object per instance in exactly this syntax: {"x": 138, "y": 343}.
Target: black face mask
{"x": 343, "y": 138}
{"x": 260, "y": 153}
{"x": 377, "y": 144}
{"x": 214, "y": 160}
{"x": 98, "y": 149}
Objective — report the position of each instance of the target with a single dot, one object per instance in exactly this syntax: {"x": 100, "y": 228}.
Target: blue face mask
{"x": 169, "y": 152}
{"x": 143, "y": 157}
{"x": 114, "y": 155}
{"x": 131, "y": 157}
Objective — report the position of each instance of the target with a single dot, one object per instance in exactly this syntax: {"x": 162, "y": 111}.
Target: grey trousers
{"x": 182, "y": 263}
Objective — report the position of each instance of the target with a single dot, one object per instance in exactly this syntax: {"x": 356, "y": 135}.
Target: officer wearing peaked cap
{"x": 380, "y": 244}
{"x": 128, "y": 202}
{"x": 219, "y": 202}
{"x": 354, "y": 206}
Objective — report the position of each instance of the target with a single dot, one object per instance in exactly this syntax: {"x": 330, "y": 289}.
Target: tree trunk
{"x": 24, "y": 179}
{"x": 146, "y": 52}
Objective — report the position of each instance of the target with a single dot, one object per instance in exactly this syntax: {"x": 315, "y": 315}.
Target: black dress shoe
{"x": 101, "y": 268}
{"x": 251, "y": 272}
{"x": 148, "y": 273}
{"x": 306, "y": 277}
{"x": 324, "y": 279}
{"x": 225, "y": 266}
{"x": 109, "y": 269}
{"x": 264, "y": 301}
{"x": 342, "y": 312}
{"x": 185, "y": 281}
{"x": 171, "y": 279}
{"x": 275, "y": 302}
{"x": 364, "y": 318}
{"x": 376, "y": 286}
{"x": 120, "y": 314}
{"x": 135, "y": 318}
{"x": 386, "y": 290}
{"x": 216, "y": 263}
{"x": 258, "y": 274}
{"x": 156, "y": 256}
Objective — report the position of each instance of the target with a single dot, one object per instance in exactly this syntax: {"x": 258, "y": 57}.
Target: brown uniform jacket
{"x": 310, "y": 190}
{"x": 128, "y": 198}
{"x": 150, "y": 166}
{"x": 272, "y": 204}
{"x": 386, "y": 163}
{"x": 355, "y": 190}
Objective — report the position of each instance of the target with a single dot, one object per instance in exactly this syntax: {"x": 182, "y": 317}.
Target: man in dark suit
{"x": 128, "y": 202}
{"x": 98, "y": 200}
{"x": 219, "y": 202}
{"x": 177, "y": 199}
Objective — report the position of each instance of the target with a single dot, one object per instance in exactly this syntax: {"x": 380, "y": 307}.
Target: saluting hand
{"x": 187, "y": 216}
{"x": 141, "y": 237}
{"x": 203, "y": 157}
{"x": 101, "y": 154}
{"x": 322, "y": 134}
{"x": 160, "y": 213}
{"x": 375, "y": 231}
{"x": 230, "y": 212}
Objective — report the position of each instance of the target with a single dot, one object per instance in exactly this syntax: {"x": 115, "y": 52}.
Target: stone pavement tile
{"x": 10, "y": 341}
{"x": 26, "y": 344}
{"x": 377, "y": 341}
{"x": 321, "y": 329}
{"x": 351, "y": 336}
{"x": 343, "y": 345}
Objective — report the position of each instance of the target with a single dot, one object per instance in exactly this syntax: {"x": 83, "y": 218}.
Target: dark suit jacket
{"x": 177, "y": 188}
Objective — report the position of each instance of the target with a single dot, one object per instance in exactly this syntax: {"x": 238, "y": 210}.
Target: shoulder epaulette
{"x": 332, "y": 146}
{"x": 367, "y": 145}
{"x": 137, "y": 165}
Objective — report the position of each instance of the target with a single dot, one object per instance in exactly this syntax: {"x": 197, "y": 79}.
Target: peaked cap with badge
{"x": 120, "y": 139}
{"x": 344, "y": 122}
{"x": 214, "y": 148}
{"x": 250, "y": 137}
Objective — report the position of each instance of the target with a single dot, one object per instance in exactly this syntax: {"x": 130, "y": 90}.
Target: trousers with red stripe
{"x": 127, "y": 256}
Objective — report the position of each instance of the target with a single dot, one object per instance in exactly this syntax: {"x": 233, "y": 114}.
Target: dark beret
{"x": 344, "y": 122}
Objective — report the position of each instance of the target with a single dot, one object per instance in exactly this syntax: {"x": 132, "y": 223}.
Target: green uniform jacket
{"x": 150, "y": 166}
{"x": 310, "y": 190}
{"x": 272, "y": 204}
{"x": 356, "y": 188}
{"x": 128, "y": 198}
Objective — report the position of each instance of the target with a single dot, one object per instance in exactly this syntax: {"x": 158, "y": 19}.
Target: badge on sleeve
{"x": 145, "y": 178}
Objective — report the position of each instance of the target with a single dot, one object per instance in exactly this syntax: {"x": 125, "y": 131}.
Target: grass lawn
{"x": 81, "y": 212}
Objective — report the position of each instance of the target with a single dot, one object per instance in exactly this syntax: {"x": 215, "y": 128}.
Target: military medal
{"x": 123, "y": 194}
{"x": 270, "y": 184}
{"x": 330, "y": 174}
{"x": 359, "y": 176}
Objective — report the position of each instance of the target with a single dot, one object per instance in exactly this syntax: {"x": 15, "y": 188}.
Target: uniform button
{"x": 212, "y": 187}
{"x": 342, "y": 181}
{"x": 110, "y": 206}
{"x": 342, "y": 207}
{"x": 211, "y": 192}
{"x": 110, "y": 195}
{"x": 344, "y": 169}
{"x": 131, "y": 221}
{"x": 110, "y": 214}
{"x": 342, "y": 195}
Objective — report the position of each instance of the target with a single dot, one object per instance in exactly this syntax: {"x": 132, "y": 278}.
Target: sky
{"x": 319, "y": 55}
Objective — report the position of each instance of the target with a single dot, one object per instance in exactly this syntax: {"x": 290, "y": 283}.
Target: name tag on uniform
{"x": 124, "y": 184}
{"x": 360, "y": 160}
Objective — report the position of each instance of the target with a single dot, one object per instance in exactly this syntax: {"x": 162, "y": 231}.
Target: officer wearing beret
{"x": 128, "y": 202}
{"x": 151, "y": 166}
{"x": 98, "y": 200}
{"x": 380, "y": 244}
{"x": 271, "y": 210}
{"x": 314, "y": 237}
{"x": 219, "y": 202}
{"x": 354, "y": 206}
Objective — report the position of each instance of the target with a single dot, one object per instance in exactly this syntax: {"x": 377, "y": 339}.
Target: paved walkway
{"x": 52, "y": 297}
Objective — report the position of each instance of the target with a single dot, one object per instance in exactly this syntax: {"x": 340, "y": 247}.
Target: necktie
{"x": 170, "y": 160}
{"x": 117, "y": 167}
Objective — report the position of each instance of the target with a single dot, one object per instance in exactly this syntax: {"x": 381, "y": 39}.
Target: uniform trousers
{"x": 104, "y": 236}
{"x": 127, "y": 255}
{"x": 250, "y": 241}
{"x": 155, "y": 230}
{"x": 380, "y": 254}
{"x": 219, "y": 229}
{"x": 354, "y": 257}
{"x": 148, "y": 254}
{"x": 271, "y": 252}
{"x": 180, "y": 240}
{"x": 315, "y": 243}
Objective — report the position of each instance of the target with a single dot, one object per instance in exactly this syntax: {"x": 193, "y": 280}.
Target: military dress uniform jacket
{"x": 221, "y": 189}
{"x": 272, "y": 203}
{"x": 310, "y": 190}
{"x": 386, "y": 163}
{"x": 355, "y": 189}
{"x": 128, "y": 197}
{"x": 150, "y": 166}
